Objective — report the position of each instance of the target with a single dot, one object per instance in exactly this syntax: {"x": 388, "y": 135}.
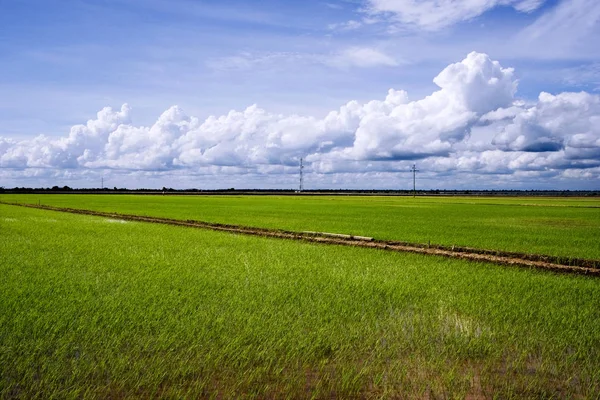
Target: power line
{"x": 301, "y": 176}
{"x": 414, "y": 171}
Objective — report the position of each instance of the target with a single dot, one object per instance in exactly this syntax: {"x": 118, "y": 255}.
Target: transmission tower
{"x": 414, "y": 171}
{"x": 301, "y": 176}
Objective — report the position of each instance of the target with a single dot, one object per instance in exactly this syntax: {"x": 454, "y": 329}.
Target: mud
{"x": 558, "y": 264}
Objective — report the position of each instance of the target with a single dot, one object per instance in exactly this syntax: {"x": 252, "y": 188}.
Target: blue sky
{"x": 61, "y": 62}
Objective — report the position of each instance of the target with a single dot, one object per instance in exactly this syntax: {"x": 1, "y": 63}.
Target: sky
{"x": 478, "y": 94}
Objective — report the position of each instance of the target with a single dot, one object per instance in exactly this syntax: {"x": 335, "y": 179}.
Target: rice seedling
{"x": 94, "y": 308}
{"x": 558, "y": 227}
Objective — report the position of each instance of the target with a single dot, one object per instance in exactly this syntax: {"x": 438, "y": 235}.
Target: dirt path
{"x": 559, "y": 264}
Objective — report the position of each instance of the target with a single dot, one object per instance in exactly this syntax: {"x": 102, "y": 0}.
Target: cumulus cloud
{"x": 565, "y": 122}
{"x": 472, "y": 124}
{"x": 401, "y": 129}
{"x": 437, "y": 14}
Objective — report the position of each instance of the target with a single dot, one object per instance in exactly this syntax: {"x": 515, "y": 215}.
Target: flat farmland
{"x": 104, "y": 308}
{"x": 566, "y": 227}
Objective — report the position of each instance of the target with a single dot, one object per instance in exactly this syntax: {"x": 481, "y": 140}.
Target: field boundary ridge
{"x": 553, "y": 263}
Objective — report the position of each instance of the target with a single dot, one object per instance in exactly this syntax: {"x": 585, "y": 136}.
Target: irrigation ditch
{"x": 538, "y": 261}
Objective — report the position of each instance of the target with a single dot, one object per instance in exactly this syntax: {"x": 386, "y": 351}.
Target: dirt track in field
{"x": 558, "y": 264}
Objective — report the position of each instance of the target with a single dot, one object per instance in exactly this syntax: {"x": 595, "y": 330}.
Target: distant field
{"x": 553, "y": 226}
{"x": 96, "y": 307}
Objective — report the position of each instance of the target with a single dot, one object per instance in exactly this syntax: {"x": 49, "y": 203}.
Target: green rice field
{"x": 94, "y": 307}
{"x": 566, "y": 227}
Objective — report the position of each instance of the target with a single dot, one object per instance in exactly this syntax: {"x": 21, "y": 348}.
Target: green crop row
{"x": 559, "y": 227}
{"x": 100, "y": 308}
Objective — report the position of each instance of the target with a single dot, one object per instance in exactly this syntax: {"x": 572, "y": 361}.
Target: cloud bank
{"x": 473, "y": 124}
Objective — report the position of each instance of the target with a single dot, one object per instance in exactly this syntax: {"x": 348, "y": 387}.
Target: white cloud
{"x": 248, "y": 60}
{"x": 586, "y": 75}
{"x": 567, "y": 31}
{"x": 345, "y": 26}
{"x": 437, "y": 14}
{"x": 567, "y": 22}
{"x": 565, "y": 121}
{"x": 361, "y": 57}
{"x": 472, "y": 124}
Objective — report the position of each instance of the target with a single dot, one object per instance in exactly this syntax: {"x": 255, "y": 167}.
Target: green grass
{"x": 91, "y": 307}
{"x": 554, "y": 226}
